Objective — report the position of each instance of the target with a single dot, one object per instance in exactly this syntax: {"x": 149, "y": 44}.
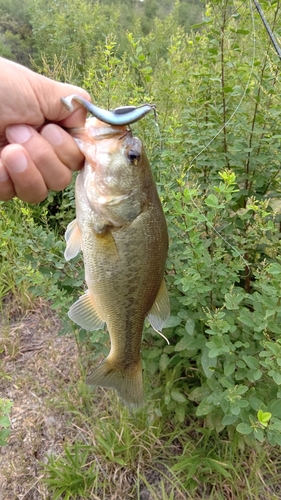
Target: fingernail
{"x": 53, "y": 134}
{"x": 18, "y": 133}
{"x": 3, "y": 173}
{"x": 17, "y": 162}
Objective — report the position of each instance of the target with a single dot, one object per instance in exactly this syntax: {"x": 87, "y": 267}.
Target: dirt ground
{"x": 34, "y": 365}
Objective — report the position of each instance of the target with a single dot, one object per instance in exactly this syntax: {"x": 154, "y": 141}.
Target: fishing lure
{"x": 123, "y": 115}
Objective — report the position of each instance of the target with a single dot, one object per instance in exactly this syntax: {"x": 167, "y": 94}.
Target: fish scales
{"x": 121, "y": 229}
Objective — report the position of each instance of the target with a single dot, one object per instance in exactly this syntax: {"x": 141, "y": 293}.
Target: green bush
{"x": 224, "y": 265}
{"x": 32, "y": 263}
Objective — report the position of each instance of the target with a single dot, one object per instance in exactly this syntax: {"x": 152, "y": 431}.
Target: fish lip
{"x": 124, "y": 196}
{"x": 100, "y": 133}
{"x": 103, "y": 200}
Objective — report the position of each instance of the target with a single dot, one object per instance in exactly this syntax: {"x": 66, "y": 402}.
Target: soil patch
{"x": 36, "y": 362}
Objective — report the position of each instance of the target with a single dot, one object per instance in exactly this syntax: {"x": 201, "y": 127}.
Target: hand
{"x": 36, "y": 153}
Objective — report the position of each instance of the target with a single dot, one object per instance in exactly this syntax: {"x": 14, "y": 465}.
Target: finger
{"x": 7, "y": 190}
{"x": 26, "y": 179}
{"x": 77, "y": 118}
{"x": 64, "y": 146}
{"x": 55, "y": 174}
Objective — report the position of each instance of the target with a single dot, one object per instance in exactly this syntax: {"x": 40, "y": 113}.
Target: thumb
{"x": 49, "y": 94}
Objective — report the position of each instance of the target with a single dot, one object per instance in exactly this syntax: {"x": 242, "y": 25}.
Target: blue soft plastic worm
{"x": 119, "y": 116}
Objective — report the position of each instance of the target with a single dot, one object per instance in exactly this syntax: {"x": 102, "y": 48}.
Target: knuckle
{"x": 41, "y": 155}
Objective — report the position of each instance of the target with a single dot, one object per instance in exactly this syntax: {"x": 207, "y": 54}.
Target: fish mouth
{"x": 102, "y": 133}
{"x": 113, "y": 200}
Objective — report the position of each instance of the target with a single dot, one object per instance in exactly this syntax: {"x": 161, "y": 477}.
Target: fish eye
{"x": 134, "y": 156}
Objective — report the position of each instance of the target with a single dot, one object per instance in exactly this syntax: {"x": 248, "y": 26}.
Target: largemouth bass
{"x": 121, "y": 229}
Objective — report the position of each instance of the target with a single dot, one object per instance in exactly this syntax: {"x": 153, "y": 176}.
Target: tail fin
{"x": 126, "y": 381}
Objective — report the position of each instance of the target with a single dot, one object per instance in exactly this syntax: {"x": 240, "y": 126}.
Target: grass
{"x": 123, "y": 454}
{"x": 70, "y": 442}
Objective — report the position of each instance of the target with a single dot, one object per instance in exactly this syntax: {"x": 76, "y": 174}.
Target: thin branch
{"x": 268, "y": 29}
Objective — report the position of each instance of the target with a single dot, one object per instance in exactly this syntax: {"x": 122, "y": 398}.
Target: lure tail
{"x": 126, "y": 381}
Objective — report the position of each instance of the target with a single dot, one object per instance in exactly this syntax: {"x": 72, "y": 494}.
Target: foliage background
{"x": 214, "y": 76}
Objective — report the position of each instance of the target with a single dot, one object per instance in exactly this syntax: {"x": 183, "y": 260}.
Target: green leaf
{"x": 275, "y": 425}
{"x": 244, "y": 428}
{"x": 255, "y": 403}
{"x": 274, "y": 269}
{"x": 189, "y": 326}
{"x": 232, "y": 300}
{"x": 254, "y": 375}
{"x": 259, "y": 434}
{"x": 154, "y": 353}
{"x": 241, "y": 389}
{"x": 164, "y": 361}
{"x": 264, "y": 417}
{"x": 273, "y": 347}
{"x": 4, "y": 421}
{"x": 204, "y": 408}
{"x": 228, "y": 368}
{"x": 275, "y": 408}
{"x": 227, "y": 382}
{"x": 235, "y": 409}
{"x": 190, "y": 343}
{"x": 172, "y": 322}
{"x": 178, "y": 396}
{"x": 199, "y": 393}
{"x": 246, "y": 319}
{"x": 276, "y": 376}
{"x": 199, "y": 25}
{"x": 4, "y": 434}
{"x": 227, "y": 89}
{"x": 241, "y": 31}
{"x": 243, "y": 403}
{"x": 208, "y": 363}
{"x": 212, "y": 201}
{"x": 252, "y": 362}
{"x": 180, "y": 413}
{"x": 229, "y": 419}
{"x": 277, "y": 439}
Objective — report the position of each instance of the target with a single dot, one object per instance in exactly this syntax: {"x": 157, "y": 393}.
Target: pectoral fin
{"x": 84, "y": 313}
{"x": 160, "y": 311}
{"x": 73, "y": 240}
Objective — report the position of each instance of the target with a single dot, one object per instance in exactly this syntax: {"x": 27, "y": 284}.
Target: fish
{"x": 121, "y": 229}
